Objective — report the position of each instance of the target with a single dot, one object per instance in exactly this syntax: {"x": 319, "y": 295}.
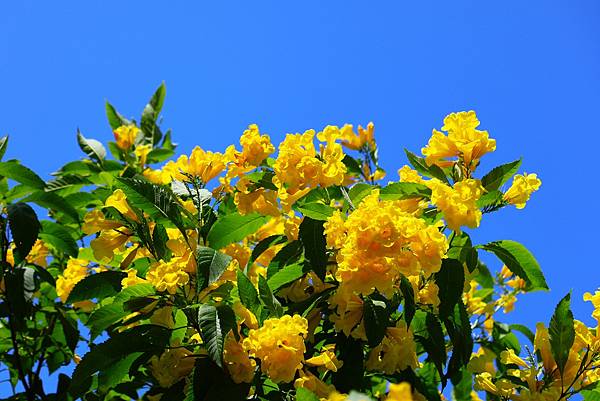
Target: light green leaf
{"x": 91, "y": 147}
{"x": 562, "y": 332}
{"x": 247, "y": 292}
{"x": 316, "y": 211}
{"x": 233, "y": 228}
{"x": 285, "y": 276}
{"x": 59, "y": 237}
{"x": 499, "y": 175}
{"x": 19, "y": 173}
{"x": 404, "y": 190}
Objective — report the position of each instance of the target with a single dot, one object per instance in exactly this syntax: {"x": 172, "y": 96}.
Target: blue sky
{"x": 531, "y": 70}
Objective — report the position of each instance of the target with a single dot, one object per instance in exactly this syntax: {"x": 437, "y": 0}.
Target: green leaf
{"x": 524, "y": 330}
{"x": 24, "y": 228}
{"x": 421, "y": 166}
{"x": 159, "y": 155}
{"x": 99, "y": 285}
{"x": 404, "y": 190}
{"x": 159, "y": 202}
{"x": 316, "y": 211}
{"x": 150, "y": 115}
{"x": 210, "y": 265}
{"x": 114, "y": 118}
{"x": 210, "y": 383}
{"x": 463, "y": 386}
{"x": 247, "y": 292}
{"x": 303, "y": 394}
{"x": 267, "y": 297}
{"x": 3, "y": 145}
{"x": 458, "y": 327}
{"x": 91, "y": 147}
{"x": 358, "y": 192}
{"x": 54, "y": 202}
{"x": 144, "y": 338}
{"x": 311, "y": 233}
{"x": 376, "y": 318}
{"x": 233, "y": 228}
{"x": 562, "y": 332}
{"x": 215, "y": 323}
{"x": 159, "y": 240}
{"x": 288, "y": 255}
{"x": 409, "y": 300}
{"x": 58, "y": 237}
{"x": 499, "y": 175}
{"x": 104, "y": 317}
{"x": 519, "y": 261}
{"x": 66, "y": 181}
{"x": 19, "y": 173}
{"x": 350, "y": 375}
{"x": 450, "y": 281}
{"x": 492, "y": 199}
{"x": 285, "y": 276}
{"x": 265, "y": 244}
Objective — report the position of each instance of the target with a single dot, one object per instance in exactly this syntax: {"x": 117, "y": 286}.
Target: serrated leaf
{"x": 24, "y": 227}
{"x": 104, "y": 317}
{"x": 65, "y": 181}
{"x": 376, "y": 319}
{"x": 91, "y": 147}
{"x": 524, "y": 330}
{"x": 233, "y": 228}
{"x": 421, "y": 166}
{"x": 519, "y": 261}
{"x": 265, "y": 244}
{"x": 19, "y": 173}
{"x": 99, "y": 285}
{"x": 409, "y": 300}
{"x": 316, "y": 211}
{"x": 247, "y": 292}
{"x": 58, "y": 237}
{"x": 114, "y": 118}
{"x": 144, "y": 338}
{"x": 450, "y": 281}
{"x": 311, "y": 233}
{"x": 499, "y": 175}
{"x": 562, "y": 332}
{"x": 159, "y": 240}
{"x": 358, "y": 192}
{"x": 211, "y": 265}
{"x": 404, "y": 190}
{"x": 267, "y": 297}
{"x": 215, "y": 323}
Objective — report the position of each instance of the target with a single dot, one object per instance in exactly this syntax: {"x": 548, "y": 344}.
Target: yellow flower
{"x": 348, "y": 311}
{"x": 312, "y": 383}
{"x": 521, "y": 189}
{"x": 261, "y": 200}
{"x": 407, "y": 174}
{"x": 38, "y": 254}
{"x": 396, "y": 352}
{"x": 118, "y": 200}
{"x": 202, "y": 164}
{"x": 279, "y": 345}
{"x": 246, "y": 317}
{"x": 482, "y": 361}
{"x": 291, "y": 226}
{"x": 132, "y": 279}
{"x": 76, "y": 270}
{"x": 381, "y": 241}
{"x": 95, "y": 221}
{"x": 104, "y": 246}
{"x": 167, "y": 276}
{"x": 509, "y": 357}
{"x": 255, "y": 147}
{"x": 595, "y": 300}
{"x": 141, "y": 152}
{"x": 125, "y": 136}
{"x": 236, "y": 359}
{"x": 458, "y": 203}
{"x": 399, "y": 392}
{"x": 327, "y": 359}
{"x": 171, "y": 366}
{"x": 463, "y": 141}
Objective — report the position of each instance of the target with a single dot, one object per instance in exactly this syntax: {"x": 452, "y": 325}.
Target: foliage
{"x": 259, "y": 274}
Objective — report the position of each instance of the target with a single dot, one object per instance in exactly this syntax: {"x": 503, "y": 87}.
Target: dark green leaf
{"x": 99, "y": 285}
{"x": 215, "y": 324}
{"x": 421, "y": 166}
{"x": 247, "y": 292}
{"x": 114, "y": 118}
{"x": 24, "y": 228}
{"x": 19, "y": 173}
{"x": 562, "y": 332}
{"x": 350, "y": 375}
{"x": 524, "y": 330}
{"x": 210, "y": 265}
{"x": 159, "y": 239}
{"x": 519, "y": 261}
{"x": 376, "y": 319}
{"x": 409, "y": 300}
{"x": 58, "y": 237}
{"x": 499, "y": 175}
{"x": 288, "y": 255}
{"x": 450, "y": 281}
{"x": 142, "y": 338}
{"x": 311, "y": 233}
{"x": 265, "y": 244}
{"x": 267, "y": 297}
{"x": 3, "y": 145}
{"x": 233, "y": 228}
{"x": 54, "y": 202}
{"x": 104, "y": 317}
{"x": 358, "y": 192}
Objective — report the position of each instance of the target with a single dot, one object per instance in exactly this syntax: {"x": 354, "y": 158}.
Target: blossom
{"x": 458, "y": 203}
{"x": 236, "y": 359}
{"x": 76, "y": 270}
{"x": 171, "y": 366}
{"x": 125, "y": 136}
{"x": 396, "y": 352}
{"x": 399, "y": 392}
{"x": 132, "y": 279}
{"x": 279, "y": 344}
{"x": 312, "y": 383}
{"x": 167, "y": 276}
{"x": 509, "y": 357}
{"x": 105, "y": 244}
{"x": 118, "y": 200}
{"x": 95, "y": 221}
{"x": 358, "y": 141}
{"x": 141, "y": 152}
{"x": 203, "y": 164}
{"x": 521, "y": 189}
{"x": 326, "y": 359}
{"x": 463, "y": 141}
{"x": 255, "y": 147}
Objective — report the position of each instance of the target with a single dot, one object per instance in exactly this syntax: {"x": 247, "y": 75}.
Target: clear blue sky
{"x": 531, "y": 70}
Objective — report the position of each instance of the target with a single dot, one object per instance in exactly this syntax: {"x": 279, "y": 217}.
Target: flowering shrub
{"x": 289, "y": 272}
